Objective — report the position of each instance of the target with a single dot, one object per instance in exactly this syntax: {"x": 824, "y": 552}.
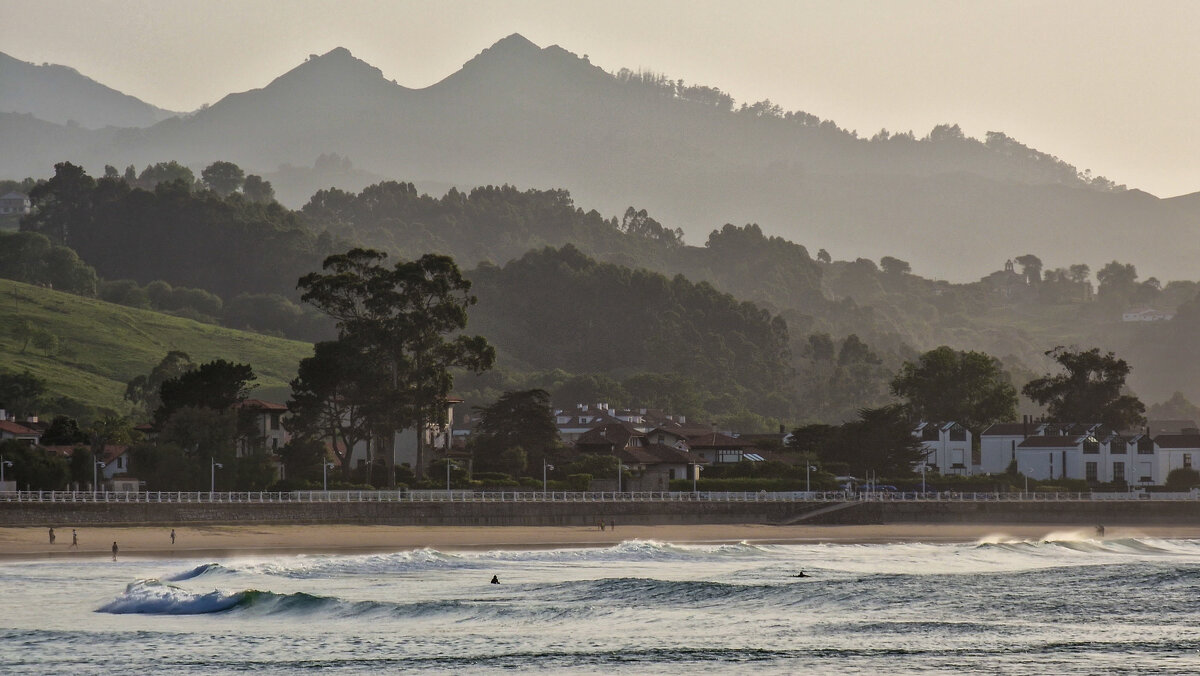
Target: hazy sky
{"x": 1112, "y": 86}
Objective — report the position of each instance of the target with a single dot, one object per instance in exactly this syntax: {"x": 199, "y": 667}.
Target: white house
{"x": 947, "y": 448}
{"x": 404, "y": 443}
{"x": 14, "y": 203}
{"x": 1176, "y": 451}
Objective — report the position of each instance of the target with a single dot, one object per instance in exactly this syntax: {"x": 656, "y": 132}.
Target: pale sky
{"x": 1110, "y": 86}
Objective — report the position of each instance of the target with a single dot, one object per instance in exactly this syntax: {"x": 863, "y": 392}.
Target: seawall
{"x": 1144, "y": 513}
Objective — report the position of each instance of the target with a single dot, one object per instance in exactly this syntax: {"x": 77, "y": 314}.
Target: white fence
{"x": 256, "y": 497}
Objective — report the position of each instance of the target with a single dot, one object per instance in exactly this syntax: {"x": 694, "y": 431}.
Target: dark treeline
{"x": 561, "y": 309}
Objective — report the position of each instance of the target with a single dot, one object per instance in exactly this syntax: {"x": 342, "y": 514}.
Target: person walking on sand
{"x": 74, "y": 539}
{"x": 495, "y": 579}
{"x": 612, "y": 524}
{"x": 51, "y": 536}
{"x": 114, "y": 550}
{"x": 172, "y": 536}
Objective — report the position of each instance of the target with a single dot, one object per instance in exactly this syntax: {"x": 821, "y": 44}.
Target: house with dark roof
{"x": 947, "y": 448}
{"x": 718, "y": 448}
{"x": 10, "y": 429}
{"x": 269, "y": 432}
{"x": 1175, "y": 451}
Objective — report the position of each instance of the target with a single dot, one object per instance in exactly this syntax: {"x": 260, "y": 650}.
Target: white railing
{"x": 265, "y": 497}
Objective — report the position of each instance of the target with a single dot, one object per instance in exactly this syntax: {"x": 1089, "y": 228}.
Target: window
{"x": 1118, "y": 446}
{"x": 930, "y": 433}
{"x": 1145, "y": 446}
{"x": 958, "y": 433}
{"x": 729, "y": 456}
{"x": 1145, "y": 474}
{"x": 274, "y": 421}
{"x": 956, "y": 458}
{"x": 1187, "y": 460}
{"x": 1091, "y": 446}
{"x": 671, "y": 474}
{"x": 1118, "y": 471}
{"x": 1090, "y": 472}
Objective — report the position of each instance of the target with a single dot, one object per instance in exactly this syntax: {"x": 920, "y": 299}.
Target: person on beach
{"x": 114, "y": 550}
{"x": 172, "y": 536}
{"x": 1100, "y": 530}
{"x": 601, "y": 525}
{"x": 51, "y": 536}
{"x": 495, "y": 579}
{"x": 612, "y": 524}
{"x": 74, "y": 539}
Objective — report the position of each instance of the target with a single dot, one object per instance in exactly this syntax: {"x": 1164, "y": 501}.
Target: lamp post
{"x": 3, "y": 463}
{"x": 619, "y": 468}
{"x": 325, "y": 475}
{"x": 448, "y": 463}
{"x": 922, "y": 477}
{"x": 212, "y": 485}
{"x": 95, "y": 480}
{"x": 545, "y": 483}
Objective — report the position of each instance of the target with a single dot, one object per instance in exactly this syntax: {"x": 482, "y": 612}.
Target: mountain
{"x": 955, "y": 207}
{"x": 62, "y": 95}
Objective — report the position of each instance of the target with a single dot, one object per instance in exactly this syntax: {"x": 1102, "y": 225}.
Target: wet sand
{"x": 228, "y": 541}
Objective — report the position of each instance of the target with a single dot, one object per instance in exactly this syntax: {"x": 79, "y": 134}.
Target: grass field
{"x": 102, "y": 346}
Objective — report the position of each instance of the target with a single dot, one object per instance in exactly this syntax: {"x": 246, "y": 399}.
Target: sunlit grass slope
{"x": 102, "y": 345}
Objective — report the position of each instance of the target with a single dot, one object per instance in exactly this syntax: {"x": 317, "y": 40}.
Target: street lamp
{"x": 545, "y": 483}
{"x": 325, "y": 475}
{"x": 448, "y": 463}
{"x": 922, "y": 477}
{"x": 95, "y": 480}
{"x": 212, "y": 486}
{"x": 3, "y": 463}
{"x": 807, "y": 484}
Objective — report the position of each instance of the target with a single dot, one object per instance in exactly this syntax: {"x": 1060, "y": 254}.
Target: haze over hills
{"x": 535, "y": 117}
{"x": 62, "y": 95}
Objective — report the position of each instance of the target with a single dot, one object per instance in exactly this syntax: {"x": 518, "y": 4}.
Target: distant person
{"x": 51, "y": 536}
{"x": 1100, "y": 530}
{"x": 495, "y": 579}
{"x": 612, "y": 524}
{"x": 601, "y": 525}
{"x": 74, "y": 539}
{"x": 801, "y": 574}
{"x": 172, "y": 536}
{"x": 114, "y": 550}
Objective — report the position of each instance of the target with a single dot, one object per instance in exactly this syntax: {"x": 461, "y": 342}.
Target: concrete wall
{"x": 587, "y": 514}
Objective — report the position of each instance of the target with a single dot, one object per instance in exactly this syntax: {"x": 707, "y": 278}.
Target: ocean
{"x": 1069, "y": 604}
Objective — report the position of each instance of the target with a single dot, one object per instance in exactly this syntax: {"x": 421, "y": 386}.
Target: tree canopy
{"x": 946, "y": 385}
{"x": 1089, "y": 390}
{"x": 405, "y": 321}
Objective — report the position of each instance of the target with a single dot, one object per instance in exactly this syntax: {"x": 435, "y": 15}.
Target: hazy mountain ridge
{"x": 62, "y": 95}
{"x": 546, "y": 118}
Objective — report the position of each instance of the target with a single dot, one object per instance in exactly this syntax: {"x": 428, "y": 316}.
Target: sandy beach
{"x": 226, "y": 541}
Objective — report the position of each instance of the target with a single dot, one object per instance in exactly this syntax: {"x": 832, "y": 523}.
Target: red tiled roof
{"x": 14, "y": 428}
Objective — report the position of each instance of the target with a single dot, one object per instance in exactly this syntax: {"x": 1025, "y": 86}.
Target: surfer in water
{"x": 495, "y": 580}
{"x": 801, "y": 574}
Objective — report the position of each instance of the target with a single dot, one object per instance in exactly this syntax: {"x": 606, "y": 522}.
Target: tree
{"x": 331, "y": 396}
{"x": 824, "y": 257}
{"x": 223, "y": 178}
{"x": 110, "y": 429}
{"x": 1118, "y": 282}
{"x": 946, "y": 385}
{"x": 879, "y": 441}
{"x": 163, "y": 172}
{"x": 21, "y": 393}
{"x": 517, "y": 420}
{"x": 405, "y": 321}
{"x": 1031, "y": 268}
{"x": 45, "y": 341}
{"x": 1079, "y": 272}
{"x": 257, "y": 190}
{"x": 24, "y": 331}
{"x": 1088, "y": 391}
{"x": 144, "y": 390}
{"x": 216, "y": 385}
{"x": 894, "y": 266}
{"x": 61, "y": 204}
{"x": 63, "y": 431}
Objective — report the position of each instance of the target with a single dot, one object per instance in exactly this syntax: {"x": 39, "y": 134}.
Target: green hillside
{"x": 102, "y": 345}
